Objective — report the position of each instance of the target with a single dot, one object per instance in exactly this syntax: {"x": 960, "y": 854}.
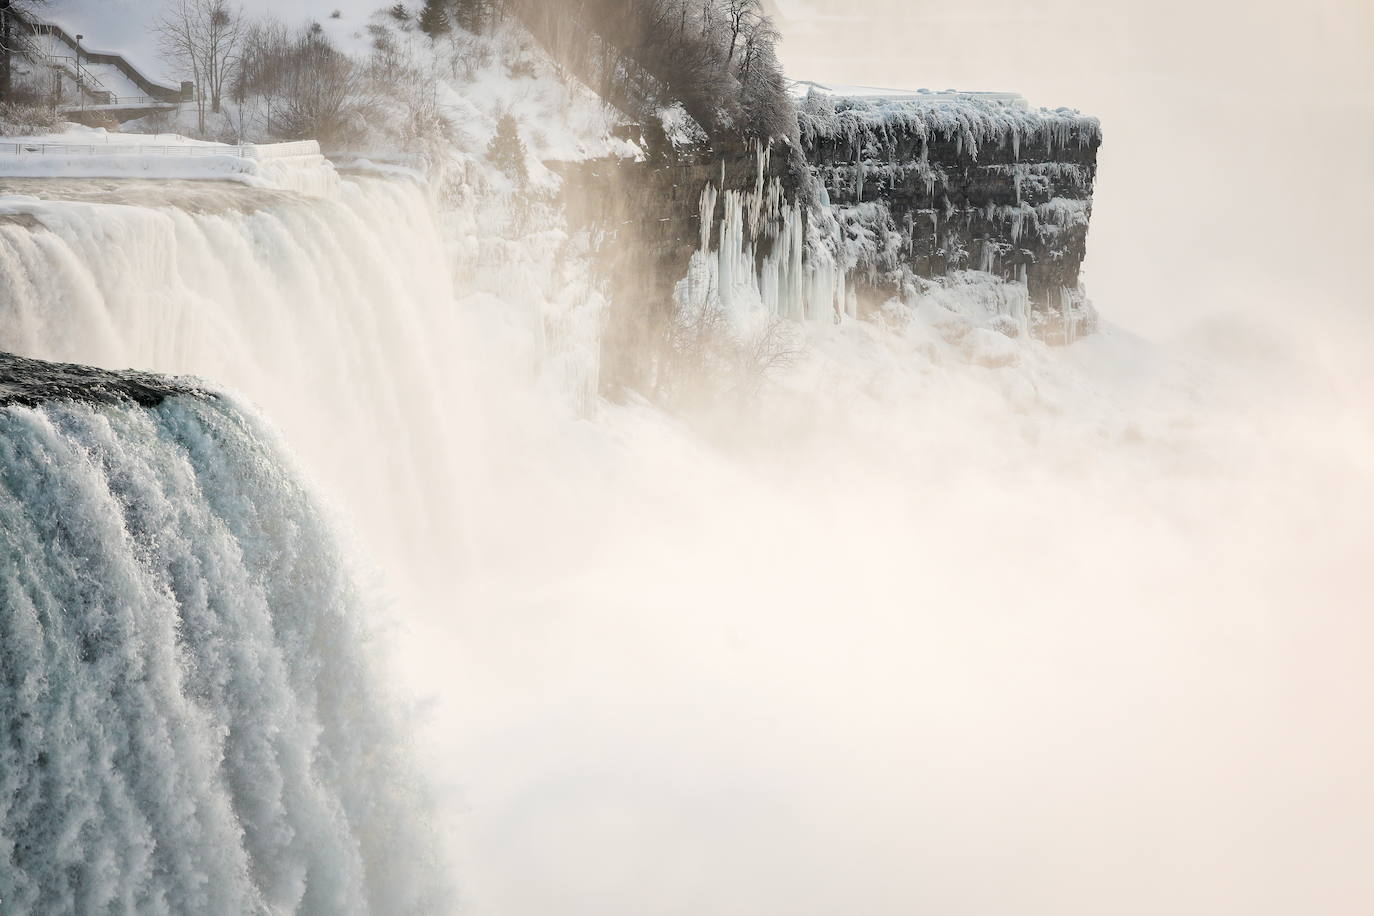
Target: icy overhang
{"x": 802, "y": 88}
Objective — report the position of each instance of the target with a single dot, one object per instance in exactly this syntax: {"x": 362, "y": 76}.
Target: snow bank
{"x": 95, "y": 153}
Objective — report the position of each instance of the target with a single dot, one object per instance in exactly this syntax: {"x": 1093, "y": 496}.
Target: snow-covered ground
{"x": 126, "y": 26}
{"x": 94, "y": 152}
{"x": 801, "y": 88}
{"x": 106, "y": 77}
{"x": 80, "y": 135}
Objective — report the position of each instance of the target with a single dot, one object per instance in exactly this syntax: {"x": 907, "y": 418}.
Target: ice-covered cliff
{"x": 973, "y": 201}
{"x": 924, "y": 187}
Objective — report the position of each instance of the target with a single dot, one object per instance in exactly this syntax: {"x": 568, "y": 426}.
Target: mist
{"x": 896, "y": 631}
{"x": 1083, "y": 635}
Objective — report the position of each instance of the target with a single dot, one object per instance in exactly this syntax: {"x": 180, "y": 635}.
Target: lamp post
{"x": 80, "y": 80}
{"x": 5, "y": 50}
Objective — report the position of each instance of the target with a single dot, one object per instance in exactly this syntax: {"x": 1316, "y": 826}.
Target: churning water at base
{"x": 191, "y": 723}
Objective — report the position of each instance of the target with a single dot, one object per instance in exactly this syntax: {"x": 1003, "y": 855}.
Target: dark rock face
{"x": 963, "y": 185}
{"x": 31, "y": 382}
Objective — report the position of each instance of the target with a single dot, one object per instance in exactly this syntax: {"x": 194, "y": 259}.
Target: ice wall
{"x": 191, "y": 721}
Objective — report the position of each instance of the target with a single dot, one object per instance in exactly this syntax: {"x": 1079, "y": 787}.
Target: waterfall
{"x": 334, "y": 314}
{"x": 191, "y": 720}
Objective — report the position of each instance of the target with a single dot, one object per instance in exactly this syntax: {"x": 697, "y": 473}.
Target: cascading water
{"x": 190, "y": 720}
{"x": 335, "y": 314}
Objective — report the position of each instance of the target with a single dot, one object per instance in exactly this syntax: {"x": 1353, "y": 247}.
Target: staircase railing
{"x": 155, "y": 89}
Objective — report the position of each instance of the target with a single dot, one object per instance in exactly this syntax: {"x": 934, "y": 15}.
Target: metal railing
{"x": 35, "y": 26}
{"x": 246, "y": 151}
{"x": 108, "y": 100}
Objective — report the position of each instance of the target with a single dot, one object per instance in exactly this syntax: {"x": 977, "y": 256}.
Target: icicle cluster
{"x": 769, "y": 259}
{"x": 882, "y": 125}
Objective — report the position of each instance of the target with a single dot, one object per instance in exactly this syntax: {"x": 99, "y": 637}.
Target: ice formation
{"x": 766, "y": 260}
{"x": 970, "y": 123}
{"x": 765, "y": 255}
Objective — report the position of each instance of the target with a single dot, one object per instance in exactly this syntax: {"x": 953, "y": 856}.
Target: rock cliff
{"x": 883, "y": 198}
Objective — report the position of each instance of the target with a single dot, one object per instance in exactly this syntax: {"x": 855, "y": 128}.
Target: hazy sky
{"x": 1235, "y": 165}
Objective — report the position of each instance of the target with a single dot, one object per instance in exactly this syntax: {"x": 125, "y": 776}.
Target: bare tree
{"x": 703, "y": 360}
{"x": 740, "y": 17}
{"x": 259, "y": 82}
{"x": 327, "y": 95}
{"x": 11, "y": 42}
{"x": 716, "y": 57}
{"x": 205, "y": 39}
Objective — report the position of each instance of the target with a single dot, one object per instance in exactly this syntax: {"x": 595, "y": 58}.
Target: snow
{"x": 681, "y": 128}
{"x": 84, "y": 152}
{"x": 872, "y": 123}
{"x": 485, "y": 77}
{"x": 78, "y": 134}
{"x": 800, "y": 89}
{"x": 105, "y": 76}
{"x": 125, "y": 26}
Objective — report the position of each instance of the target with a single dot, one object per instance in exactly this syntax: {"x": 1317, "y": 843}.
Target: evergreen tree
{"x": 507, "y": 150}
{"x": 434, "y": 18}
{"x": 471, "y": 15}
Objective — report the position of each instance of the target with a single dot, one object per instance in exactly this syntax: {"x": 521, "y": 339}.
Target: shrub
{"x": 308, "y": 88}
{"x": 507, "y": 151}
{"x": 434, "y": 18}
{"x": 18, "y": 119}
{"x": 705, "y": 360}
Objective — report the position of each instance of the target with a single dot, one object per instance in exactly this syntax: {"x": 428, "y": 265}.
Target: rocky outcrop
{"x": 924, "y": 188}
{"x": 883, "y": 198}
{"x": 31, "y": 382}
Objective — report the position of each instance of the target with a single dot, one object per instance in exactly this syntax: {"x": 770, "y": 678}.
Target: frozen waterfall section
{"x": 191, "y": 723}
{"x": 973, "y": 201}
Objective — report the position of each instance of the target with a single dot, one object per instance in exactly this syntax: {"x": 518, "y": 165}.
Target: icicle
{"x": 707, "y": 213}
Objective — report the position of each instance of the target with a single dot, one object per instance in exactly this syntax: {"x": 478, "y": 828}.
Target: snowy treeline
{"x": 716, "y": 58}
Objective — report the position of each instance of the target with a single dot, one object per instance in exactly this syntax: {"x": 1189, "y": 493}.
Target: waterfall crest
{"x": 333, "y": 314}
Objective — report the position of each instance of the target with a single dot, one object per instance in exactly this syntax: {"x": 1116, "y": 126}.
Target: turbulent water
{"x": 191, "y": 721}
